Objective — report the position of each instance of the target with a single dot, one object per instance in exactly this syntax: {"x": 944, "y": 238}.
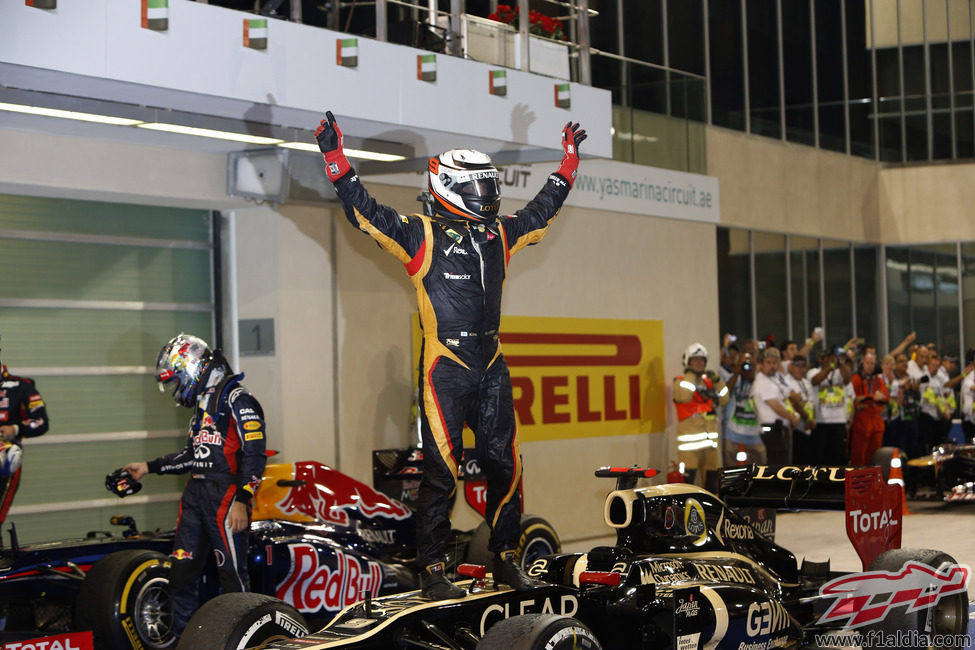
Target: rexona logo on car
{"x": 312, "y": 586}
{"x": 310, "y": 491}
{"x": 582, "y": 377}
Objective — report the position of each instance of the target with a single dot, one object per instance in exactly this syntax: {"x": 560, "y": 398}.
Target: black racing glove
{"x": 572, "y": 136}
{"x": 330, "y": 142}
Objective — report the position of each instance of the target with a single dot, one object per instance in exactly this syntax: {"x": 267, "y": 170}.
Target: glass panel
{"x": 643, "y": 39}
{"x": 97, "y": 218}
{"x": 727, "y": 77}
{"x": 889, "y": 93}
{"x": 837, "y": 291}
{"x": 763, "y": 68}
{"x": 648, "y": 89}
{"x": 946, "y": 275}
{"x": 797, "y": 51}
{"x": 770, "y": 286}
{"x": 78, "y": 404}
{"x": 48, "y": 337}
{"x": 899, "y": 321}
{"x": 78, "y": 481}
{"x": 968, "y": 293}
{"x": 804, "y": 270}
{"x": 685, "y": 35}
{"x": 921, "y": 280}
{"x": 79, "y": 271}
{"x": 868, "y": 302}
{"x": 860, "y": 80}
{"x": 734, "y": 282}
{"x": 829, "y": 69}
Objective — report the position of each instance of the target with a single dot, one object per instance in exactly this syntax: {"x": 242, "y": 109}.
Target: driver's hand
{"x": 237, "y": 517}
{"x": 137, "y": 470}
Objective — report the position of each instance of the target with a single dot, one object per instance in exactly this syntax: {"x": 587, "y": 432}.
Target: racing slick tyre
{"x": 124, "y": 601}
{"x": 539, "y": 632}
{"x": 242, "y": 620}
{"x": 945, "y": 622}
{"x": 536, "y": 540}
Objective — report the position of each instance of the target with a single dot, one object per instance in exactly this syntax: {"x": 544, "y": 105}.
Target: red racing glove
{"x": 572, "y": 135}
{"x": 330, "y": 142}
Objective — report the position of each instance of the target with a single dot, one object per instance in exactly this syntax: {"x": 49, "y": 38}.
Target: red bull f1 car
{"x": 319, "y": 542}
{"x": 687, "y": 572}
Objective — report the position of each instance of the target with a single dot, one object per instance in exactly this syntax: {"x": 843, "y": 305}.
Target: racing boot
{"x": 434, "y": 586}
{"x": 507, "y": 571}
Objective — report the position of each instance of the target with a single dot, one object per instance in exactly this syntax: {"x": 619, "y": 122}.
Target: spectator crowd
{"x": 815, "y": 404}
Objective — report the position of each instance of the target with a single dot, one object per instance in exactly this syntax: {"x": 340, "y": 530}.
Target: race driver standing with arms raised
{"x": 457, "y": 259}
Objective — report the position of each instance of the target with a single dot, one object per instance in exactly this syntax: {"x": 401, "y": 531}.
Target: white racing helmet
{"x": 695, "y": 350}
{"x": 465, "y": 185}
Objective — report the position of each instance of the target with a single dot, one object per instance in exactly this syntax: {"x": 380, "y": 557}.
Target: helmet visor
{"x": 485, "y": 189}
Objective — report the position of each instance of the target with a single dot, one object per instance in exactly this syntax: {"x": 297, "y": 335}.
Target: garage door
{"x": 90, "y": 291}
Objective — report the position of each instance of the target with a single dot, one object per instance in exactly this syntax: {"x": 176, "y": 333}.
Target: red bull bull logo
{"x": 312, "y": 586}
{"x": 327, "y": 495}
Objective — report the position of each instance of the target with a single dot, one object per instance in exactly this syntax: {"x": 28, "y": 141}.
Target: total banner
{"x": 581, "y": 377}
{"x": 604, "y": 185}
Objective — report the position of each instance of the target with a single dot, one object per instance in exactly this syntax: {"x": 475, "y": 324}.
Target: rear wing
{"x": 873, "y": 507}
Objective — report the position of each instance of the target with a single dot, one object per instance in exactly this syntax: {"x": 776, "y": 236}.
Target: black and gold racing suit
{"x": 458, "y": 269}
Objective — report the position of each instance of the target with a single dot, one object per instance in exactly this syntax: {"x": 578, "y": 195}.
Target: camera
{"x": 746, "y": 366}
{"x": 839, "y": 351}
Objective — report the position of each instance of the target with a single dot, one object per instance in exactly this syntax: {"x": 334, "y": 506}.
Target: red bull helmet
{"x": 465, "y": 185}
{"x": 183, "y": 362}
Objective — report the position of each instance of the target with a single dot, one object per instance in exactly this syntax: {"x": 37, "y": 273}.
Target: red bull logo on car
{"x": 311, "y": 586}
{"x": 309, "y": 491}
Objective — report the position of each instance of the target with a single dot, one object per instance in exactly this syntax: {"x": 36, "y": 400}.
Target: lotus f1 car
{"x": 686, "y": 572}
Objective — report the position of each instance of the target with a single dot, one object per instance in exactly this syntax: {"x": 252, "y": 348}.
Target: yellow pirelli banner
{"x": 582, "y": 377}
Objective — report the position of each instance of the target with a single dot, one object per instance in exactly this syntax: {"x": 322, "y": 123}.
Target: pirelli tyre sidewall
{"x": 537, "y": 539}
{"x": 242, "y": 620}
{"x": 125, "y": 602}
{"x": 539, "y": 632}
{"x": 947, "y": 620}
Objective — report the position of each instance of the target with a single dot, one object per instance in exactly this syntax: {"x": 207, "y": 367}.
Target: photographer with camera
{"x": 742, "y": 439}
{"x": 698, "y": 394}
{"x": 829, "y": 380}
{"x": 775, "y": 412}
{"x": 871, "y": 396}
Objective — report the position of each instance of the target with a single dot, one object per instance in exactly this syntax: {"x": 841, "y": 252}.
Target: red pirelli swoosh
{"x": 628, "y": 349}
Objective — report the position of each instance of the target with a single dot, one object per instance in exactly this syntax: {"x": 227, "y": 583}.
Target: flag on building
{"x": 347, "y": 52}
{"x": 562, "y": 99}
{"x": 255, "y": 33}
{"x": 42, "y": 4}
{"x": 155, "y": 14}
{"x": 499, "y": 82}
{"x": 426, "y": 67}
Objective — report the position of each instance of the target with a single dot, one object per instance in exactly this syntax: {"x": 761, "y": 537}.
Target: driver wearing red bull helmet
{"x": 225, "y": 452}
{"x": 457, "y": 256}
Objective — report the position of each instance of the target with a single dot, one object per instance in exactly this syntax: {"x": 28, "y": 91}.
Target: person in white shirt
{"x": 774, "y": 410}
{"x": 803, "y": 399}
{"x": 829, "y": 380}
{"x": 935, "y": 418}
{"x": 917, "y": 367}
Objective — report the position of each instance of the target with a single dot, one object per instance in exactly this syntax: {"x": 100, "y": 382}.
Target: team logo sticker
{"x": 694, "y": 521}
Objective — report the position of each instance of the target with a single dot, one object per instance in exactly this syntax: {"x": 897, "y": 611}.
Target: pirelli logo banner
{"x": 581, "y": 377}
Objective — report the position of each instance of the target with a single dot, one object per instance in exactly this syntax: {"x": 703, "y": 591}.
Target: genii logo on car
{"x": 565, "y": 604}
{"x": 328, "y": 495}
{"x": 312, "y": 585}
